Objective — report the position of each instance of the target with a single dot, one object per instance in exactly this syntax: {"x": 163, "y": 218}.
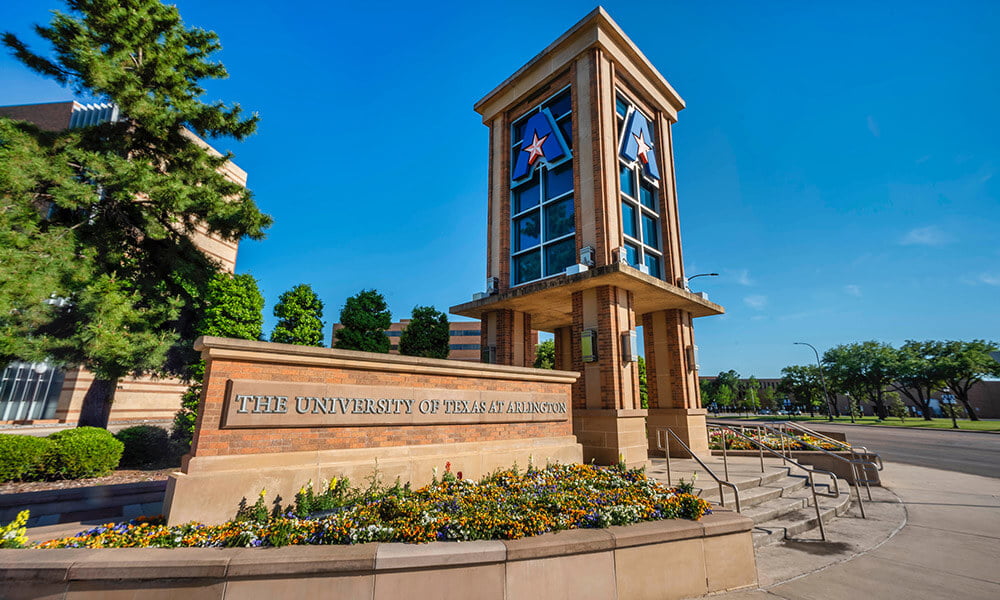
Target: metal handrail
{"x": 660, "y": 445}
{"x": 853, "y": 449}
{"x": 782, "y": 434}
{"x": 786, "y": 460}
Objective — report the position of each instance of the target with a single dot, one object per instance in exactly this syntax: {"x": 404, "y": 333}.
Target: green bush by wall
{"x": 22, "y": 457}
{"x": 82, "y": 452}
{"x": 144, "y": 445}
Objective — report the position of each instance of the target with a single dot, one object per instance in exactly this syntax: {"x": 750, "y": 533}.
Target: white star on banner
{"x": 535, "y": 149}
{"x": 643, "y": 147}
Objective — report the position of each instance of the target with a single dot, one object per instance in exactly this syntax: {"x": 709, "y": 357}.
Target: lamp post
{"x": 826, "y": 393}
{"x": 948, "y": 398}
{"x": 688, "y": 279}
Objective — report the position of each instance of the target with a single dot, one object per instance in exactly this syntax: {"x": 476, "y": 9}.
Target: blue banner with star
{"x": 542, "y": 142}
{"x": 638, "y": 144}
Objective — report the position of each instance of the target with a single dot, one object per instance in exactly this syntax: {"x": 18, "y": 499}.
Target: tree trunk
{"x": 963, "y": 398}
{"x": 879, "y": 407}
{"x": 97, "y": 403}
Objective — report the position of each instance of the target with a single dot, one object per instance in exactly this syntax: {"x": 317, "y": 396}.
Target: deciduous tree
{"x": 803, "y": 383}
{"x": 643, "y": 387}
{"x": 964, "y": 364}
{"x": 234, "y": 308}
{"x": 364, "y": 317}
{"x": 917, "y": 370}
{"x": 545, "y": 355}
{"x": 300, "y": 317}
{"x": 864, "y": 369}
{"x": 427, "y": 334}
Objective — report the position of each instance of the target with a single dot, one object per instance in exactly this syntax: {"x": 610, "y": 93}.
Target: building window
{"x": 543, "y": 219}
{"x": 475, "y": 332}
{"x": 639, "y": 186}
{"x": 464, "y": 346}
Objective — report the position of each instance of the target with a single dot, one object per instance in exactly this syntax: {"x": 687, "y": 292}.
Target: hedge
{"x": 22, "y": 457}
{"x": 144, "y": 445}
{"x": 82, "y": 452}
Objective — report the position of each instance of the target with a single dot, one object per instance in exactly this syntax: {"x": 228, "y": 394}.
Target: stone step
{"x": 774, "y": 509}
{"x": 753, "y": 496}
{"x": 801, "y": 518}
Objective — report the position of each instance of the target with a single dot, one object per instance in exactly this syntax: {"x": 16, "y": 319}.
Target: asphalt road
{"x": 963, "y": 452}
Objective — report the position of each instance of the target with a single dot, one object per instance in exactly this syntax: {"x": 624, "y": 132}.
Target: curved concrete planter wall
{"x": 821, "y": 460}
{"x": 660, "y": 559}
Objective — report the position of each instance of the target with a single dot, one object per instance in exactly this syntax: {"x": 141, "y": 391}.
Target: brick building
{"x": 41, "y": 392}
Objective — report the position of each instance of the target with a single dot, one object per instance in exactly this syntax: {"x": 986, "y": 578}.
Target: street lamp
{"x": 688, "y": 279}
{"x": 829, "y": 407}
{"x": 947, "y": 397}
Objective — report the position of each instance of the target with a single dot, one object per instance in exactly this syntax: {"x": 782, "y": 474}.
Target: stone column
{"x": 607, "y": 418}
{"x": 672, "y": 381}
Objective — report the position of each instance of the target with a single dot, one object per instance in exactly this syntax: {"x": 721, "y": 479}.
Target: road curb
{"x": 822, "y": 423}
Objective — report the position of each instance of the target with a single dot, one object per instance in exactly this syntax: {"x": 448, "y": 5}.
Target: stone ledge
{"x": 292, "y": 354}
{"x": 396, "y": 556}
{"x": 560, "y": 543}
{"x": 292, "y": 561}
{"x": 192, "y": 564}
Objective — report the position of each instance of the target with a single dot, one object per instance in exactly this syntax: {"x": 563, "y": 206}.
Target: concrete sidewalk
{"x": 942, "y": 541}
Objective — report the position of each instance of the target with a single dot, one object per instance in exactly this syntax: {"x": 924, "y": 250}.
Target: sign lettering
{"x": 265, "y": 404}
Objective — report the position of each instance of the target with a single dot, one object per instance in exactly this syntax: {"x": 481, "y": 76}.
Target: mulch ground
{"x": 119, "y": 476}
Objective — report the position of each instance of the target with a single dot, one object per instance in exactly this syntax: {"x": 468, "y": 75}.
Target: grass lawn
{"x": 993, "y": 425}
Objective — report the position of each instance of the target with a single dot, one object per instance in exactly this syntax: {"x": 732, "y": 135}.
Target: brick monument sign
{"x": 274, "y": 416}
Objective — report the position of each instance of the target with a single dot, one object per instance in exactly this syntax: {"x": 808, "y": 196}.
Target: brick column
{"x": 510, "y": 332}
{"x": 607, "y": 418}
{"x": 672, "y": 381}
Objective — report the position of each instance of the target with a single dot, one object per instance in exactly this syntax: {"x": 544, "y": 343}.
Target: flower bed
{"x": 504, "y": 505}
{"x": 793, "y": 441}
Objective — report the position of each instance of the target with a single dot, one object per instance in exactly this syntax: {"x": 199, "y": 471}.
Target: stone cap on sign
{"x": 291, "y": 354}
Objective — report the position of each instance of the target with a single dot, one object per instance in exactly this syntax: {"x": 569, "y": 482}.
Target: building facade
{"x": 584, "y": 238}
{"x": 31, "y": 392}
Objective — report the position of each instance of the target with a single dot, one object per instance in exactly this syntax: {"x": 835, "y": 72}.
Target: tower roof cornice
{"x": 596, "y": 30}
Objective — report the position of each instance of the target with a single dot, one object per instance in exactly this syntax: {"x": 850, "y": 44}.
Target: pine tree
{"x": 300, "y": 317}
{"x": 427, "y": 334}
{"x": 38, "y": 259}
{"x": 234, "y": 309}
{"x": 147, "y": 184}
{"x": 364, "y": 317}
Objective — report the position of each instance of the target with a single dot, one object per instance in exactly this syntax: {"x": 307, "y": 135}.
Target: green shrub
{"x": 144, "y": 445}
{"x": 22, "y": 457}
{"x": 82, "y": 452}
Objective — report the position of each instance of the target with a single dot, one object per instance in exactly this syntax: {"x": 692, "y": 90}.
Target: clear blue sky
{"x": 836, "y": 163}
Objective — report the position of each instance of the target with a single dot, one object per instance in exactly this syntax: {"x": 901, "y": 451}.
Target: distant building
{"x": 41, "y": 392}
{"x": 464, "y": 343}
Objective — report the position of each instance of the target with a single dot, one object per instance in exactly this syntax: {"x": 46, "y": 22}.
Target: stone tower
{"x": 584, "y": 238}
